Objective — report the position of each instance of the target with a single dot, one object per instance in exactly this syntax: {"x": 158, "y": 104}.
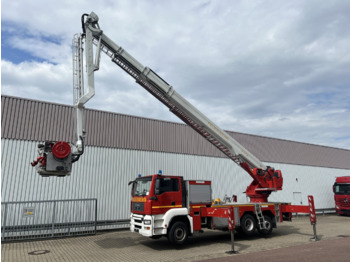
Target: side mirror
{"x": 157, "y": 186}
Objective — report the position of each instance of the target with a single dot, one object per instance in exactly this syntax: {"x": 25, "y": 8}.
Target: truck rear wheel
{"x": 248, "y": 224}
{"x": 268, "y": 225}
{"x": 178, "y": 233}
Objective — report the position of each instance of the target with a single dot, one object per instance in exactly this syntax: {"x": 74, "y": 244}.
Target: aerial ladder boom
{"x": 265, "y": 179}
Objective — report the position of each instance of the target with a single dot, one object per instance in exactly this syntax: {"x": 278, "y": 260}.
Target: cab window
{"x": 168, "y": 185}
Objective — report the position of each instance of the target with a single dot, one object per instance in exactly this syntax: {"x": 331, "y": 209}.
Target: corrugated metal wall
{"x": 103, "y": 173}
{"x": 119, "y": 147}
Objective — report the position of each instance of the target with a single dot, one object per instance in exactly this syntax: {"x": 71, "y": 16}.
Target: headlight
{"x": 336, "y": 207}
{"x": 147, "y": 222}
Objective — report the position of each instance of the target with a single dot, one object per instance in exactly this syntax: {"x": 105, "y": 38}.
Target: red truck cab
{"x": 341, "y": 189}
{"x": 156, "y": 194}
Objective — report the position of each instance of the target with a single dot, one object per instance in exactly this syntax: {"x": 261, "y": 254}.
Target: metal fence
{"x": 48, "y": 219}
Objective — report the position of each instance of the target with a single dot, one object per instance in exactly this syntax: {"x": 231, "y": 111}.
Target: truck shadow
{"x": 212, "y": 238}
{"x": 207, "y": 238}
{"x": 162, "y": 244}
{"x": 201, "y": 240}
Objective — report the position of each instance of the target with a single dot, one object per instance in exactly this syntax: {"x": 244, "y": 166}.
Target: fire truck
{"x": 168, "y": 205}
{"x": 341, "y": 189}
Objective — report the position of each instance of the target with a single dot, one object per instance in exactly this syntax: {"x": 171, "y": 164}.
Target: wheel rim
{"x": 249, "y": 224}
{"x": 267, "y": 225}
{"x": 180, "y": 233}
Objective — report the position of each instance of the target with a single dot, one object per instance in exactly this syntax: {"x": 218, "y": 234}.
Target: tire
{"x": 269, "y": 227}
{"x": 248, "y": 224}
{"x": 178, "y": 233}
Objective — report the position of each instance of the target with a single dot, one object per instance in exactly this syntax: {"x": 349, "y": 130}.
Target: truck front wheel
{"x": 178, "y": 233}
{"x": 248, "y": 224}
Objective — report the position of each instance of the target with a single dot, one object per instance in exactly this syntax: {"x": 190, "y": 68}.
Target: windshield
{"x": 342, "y": 189}
{"x": 142, "y": 186}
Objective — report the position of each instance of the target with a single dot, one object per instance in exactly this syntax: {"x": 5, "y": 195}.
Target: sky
{"x": 271, "y": 68}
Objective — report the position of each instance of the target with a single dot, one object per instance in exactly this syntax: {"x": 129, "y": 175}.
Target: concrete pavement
{"x": 288, "y": 240}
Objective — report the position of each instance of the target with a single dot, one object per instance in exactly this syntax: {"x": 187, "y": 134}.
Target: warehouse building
{"x": 119, "y": 147}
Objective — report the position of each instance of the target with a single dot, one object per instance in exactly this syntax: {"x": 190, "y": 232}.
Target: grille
{"x": 344, "y": 203}
{"x": 138, "y": 206}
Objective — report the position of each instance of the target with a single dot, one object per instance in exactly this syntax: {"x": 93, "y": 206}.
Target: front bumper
{"x": 137, "y": 224}
{"x": 342, "y": 210}
{"x": 147, "y": 225}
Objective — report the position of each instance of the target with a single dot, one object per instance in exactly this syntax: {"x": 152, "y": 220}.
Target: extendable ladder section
{"x": 160, "y": 89}
{"x": 143, "y": 80}
{"x": 157, "y": 87}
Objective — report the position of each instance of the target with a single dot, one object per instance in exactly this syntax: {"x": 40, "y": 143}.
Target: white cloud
{"x": 41, "y": 81}
{"x": 269, "y": 68}
{"x": 49, "y": 51}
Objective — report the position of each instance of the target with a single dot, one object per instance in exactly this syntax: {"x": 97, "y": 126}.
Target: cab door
{"x": 168, "y": 193}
